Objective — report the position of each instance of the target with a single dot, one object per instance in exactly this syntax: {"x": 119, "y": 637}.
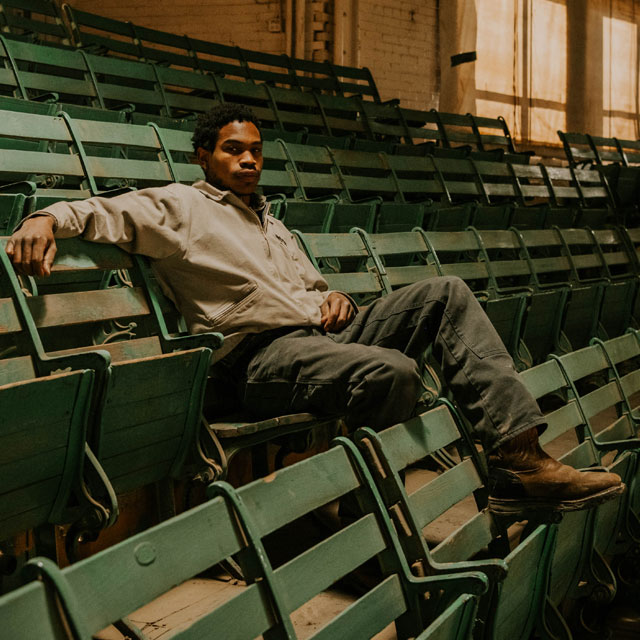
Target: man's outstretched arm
{"x": 149, "y": 222}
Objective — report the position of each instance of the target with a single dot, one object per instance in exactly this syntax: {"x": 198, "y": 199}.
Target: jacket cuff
{"x": 38, "y": 214}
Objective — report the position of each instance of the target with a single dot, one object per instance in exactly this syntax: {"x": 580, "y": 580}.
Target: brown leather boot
{"x": 523, "y": 478}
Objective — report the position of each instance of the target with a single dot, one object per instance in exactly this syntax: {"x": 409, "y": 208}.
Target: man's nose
{"x": 247, "y": 159}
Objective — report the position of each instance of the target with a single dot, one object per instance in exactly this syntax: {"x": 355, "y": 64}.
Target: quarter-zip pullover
{"x": 225, "y": 268}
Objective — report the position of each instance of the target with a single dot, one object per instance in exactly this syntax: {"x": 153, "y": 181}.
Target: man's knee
{"x": 442, "y": 288}
{"x": 387, "y": 392}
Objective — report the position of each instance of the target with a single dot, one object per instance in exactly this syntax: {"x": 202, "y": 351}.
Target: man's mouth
{"x": 248, "y": 175}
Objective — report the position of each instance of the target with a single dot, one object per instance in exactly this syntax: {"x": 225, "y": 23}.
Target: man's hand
{"x": 32, "y": 247}
{"x": 337, "y": 312}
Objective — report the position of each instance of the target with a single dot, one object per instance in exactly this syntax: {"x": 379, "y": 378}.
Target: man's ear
{"x": 203, "y": 157}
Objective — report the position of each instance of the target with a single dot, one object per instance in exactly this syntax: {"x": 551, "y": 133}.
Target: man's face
{"x": 236, "y": 161}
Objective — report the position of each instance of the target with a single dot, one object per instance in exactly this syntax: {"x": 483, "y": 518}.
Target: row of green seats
{"x": 92, "y": 31}
{"x": 587, "y": 150}
{"x": 168, "y": 95}
{"x": 43, "y": 21}
{"x": 618, "y": 159}
{"x": 100, "y": 394}
{"x": 69, "y": 157}
{"x": 528, "y": 577}
{"x": 455, "y": 192}
{"x": 543, "y": 538}
{"x": 546, "y": 291}
{"x": 597, "y": 384}
{"x": 112, "y": 584}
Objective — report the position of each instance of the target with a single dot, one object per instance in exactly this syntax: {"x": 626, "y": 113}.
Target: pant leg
{"x": 309, "y": 371}
{"x": 475, "y": 364}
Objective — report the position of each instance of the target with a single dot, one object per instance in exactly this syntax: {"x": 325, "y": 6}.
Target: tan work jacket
{"x": 225, "y": 269}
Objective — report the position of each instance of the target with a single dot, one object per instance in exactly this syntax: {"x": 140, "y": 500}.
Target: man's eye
{"x": 256, "y": 152}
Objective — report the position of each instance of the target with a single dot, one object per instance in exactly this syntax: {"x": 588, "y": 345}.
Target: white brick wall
{"x": 244, "y": 23}
{"x": 399, "y": 43}
{"x": 397, "y": 38}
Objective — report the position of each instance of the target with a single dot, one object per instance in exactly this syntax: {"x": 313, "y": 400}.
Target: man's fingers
{"x": 9, "y": 248}
{"x": 337, "y": 311}
{"x": 39, "y": 246}
{"x": 49, "y": 257}
{"x": 26, "y": 256}
{"x": 345, "y": 312}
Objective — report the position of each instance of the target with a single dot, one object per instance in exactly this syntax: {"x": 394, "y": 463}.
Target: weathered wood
{"x": 68, "y": 309}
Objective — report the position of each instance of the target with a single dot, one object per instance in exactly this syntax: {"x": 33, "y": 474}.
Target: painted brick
{"x": 397, "y": 38}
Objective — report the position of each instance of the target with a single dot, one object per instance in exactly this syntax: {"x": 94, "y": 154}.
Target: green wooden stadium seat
{"x": 313, "y": 170}
{"x": 121, "y": 333}
{"x": 45, "y": 71}
{"x": 579, "y": 149}
{"x": 84, "y": 598}
{"x": 457, "y": 253}
{"x": 516, "y": 601}
{"x": 510, "y": 273}
{"x": 34, "y": 20}
{"x": 41, "y": 153}
{"x": 579, "y": 568}
{"x": 591, "y": 266}
{"x": 347, "y": 262}
{"x": 537, "y": 203}
{"x": 405, "y": 256}
{"x": 622, "y": 354}
{"x": 95, "y": 33}
{"x": 43, "y": 433}
{"x": 401, "y": 216}
{"x": 552, "y": 268}
{"x": 238, "y": 521}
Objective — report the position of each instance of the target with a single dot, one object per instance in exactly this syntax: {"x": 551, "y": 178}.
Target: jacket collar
{"x": 257, "y": 201}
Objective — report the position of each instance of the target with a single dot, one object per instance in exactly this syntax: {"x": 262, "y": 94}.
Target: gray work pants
{"x": 368, "y": 372}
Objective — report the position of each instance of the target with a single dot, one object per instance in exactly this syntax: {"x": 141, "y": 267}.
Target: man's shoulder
{"x": 174, "y": 191}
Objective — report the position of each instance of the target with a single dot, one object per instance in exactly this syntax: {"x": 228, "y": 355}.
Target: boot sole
{"x": 514, "y": 506}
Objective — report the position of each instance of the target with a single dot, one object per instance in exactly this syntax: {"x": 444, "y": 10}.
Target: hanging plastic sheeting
{"x": 558, "y": 64}
{"x": 521, "y": 72}
{"x": 620, "y": 81}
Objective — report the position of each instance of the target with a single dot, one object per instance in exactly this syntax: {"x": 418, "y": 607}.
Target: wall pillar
{"x": 457, "y": 30}
{"x": 585, "y": 107}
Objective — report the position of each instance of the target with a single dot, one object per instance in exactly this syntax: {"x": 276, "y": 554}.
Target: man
{"x": 291, "y": 345}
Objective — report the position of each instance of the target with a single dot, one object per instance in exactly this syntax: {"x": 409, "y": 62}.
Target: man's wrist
{"x": 40, "y": 214}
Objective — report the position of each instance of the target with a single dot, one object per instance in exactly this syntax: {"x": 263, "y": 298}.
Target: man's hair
{"x": 209, "y": 123}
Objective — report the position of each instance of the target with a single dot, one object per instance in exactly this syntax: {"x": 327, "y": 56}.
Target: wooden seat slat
{"x": 9, "y": 322}
{"x": 104, "y": 603}
{"x": 122, "y": 350}
{"x": 20, "y": 161}
{"x": 386, "y": 598}
{"x": 321, "y": 566}
{"x": 68, "y": 309}
{"x": 308, "y": 496}
{"x": 434, "y": 498}
{"x": 43, "y": 478}
{"x": 139, "y": 434}
{"x": 15, "y": 370}
{"x": 474, "y": 535}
